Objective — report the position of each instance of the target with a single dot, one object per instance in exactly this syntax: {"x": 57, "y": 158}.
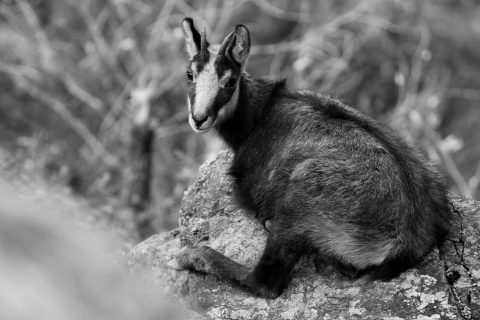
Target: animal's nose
{"x": 199, "y": 119}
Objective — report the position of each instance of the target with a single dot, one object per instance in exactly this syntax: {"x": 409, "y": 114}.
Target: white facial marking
{"x": 206, "y": 88}
{"x": 224, "y": 79}
{"x": 213, "y": 48}
{"x": 190, "y": 119}
{"x": 194, "y": 68}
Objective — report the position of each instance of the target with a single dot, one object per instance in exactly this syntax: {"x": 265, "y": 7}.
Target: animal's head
{"x": 213, "y": 73}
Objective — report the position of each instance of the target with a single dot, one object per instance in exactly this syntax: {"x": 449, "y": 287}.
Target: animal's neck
{"x": 255, "y": 96}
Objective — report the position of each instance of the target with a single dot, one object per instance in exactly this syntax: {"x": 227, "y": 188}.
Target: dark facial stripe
{"x": 201, "y": 62}
{"x": 223, "y": 63}
{"x": 222, "y": 98}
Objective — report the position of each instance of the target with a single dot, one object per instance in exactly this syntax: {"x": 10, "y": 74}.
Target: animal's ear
{"x": 192, "y": 37}
{"x": 241, "y": 45}
{"x": 236, "y": 45}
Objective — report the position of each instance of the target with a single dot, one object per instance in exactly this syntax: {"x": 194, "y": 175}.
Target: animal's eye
{"x": 231, "y": 82}
{"x": 189, "y": 75}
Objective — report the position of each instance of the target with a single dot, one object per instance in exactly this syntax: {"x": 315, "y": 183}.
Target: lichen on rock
{"x": 210, "y": 216}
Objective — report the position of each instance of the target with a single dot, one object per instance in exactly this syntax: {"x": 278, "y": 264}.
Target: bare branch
{"x": 108, "y": 56}
{"x": 81, "y": 94}
{"x": 474, "y": 181}
{"x": 61, "y": 110}
{"x": 448, "y": 163}
{"x": 281, "y": 13}
{"x": 45, "y": 47}
{"x": 464, "y": 93}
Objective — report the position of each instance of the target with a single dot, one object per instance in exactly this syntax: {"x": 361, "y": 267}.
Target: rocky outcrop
{"x": 443, "y": 286}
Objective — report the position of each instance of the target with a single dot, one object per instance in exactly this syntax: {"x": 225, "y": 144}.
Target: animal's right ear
{"x": 192, "y": 37}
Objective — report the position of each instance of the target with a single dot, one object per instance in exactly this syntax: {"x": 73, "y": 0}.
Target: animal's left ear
{"x": 241, "y": 46}
{"x": 192, "y": 37}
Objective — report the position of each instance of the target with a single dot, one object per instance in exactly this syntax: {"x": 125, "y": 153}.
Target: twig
{"x": 169, "y": 131}
{"x": 474, "y": 181}
{"x": 340, "y": 64}
{"x": 464, "y": 93}
{"x": 45, "y": 46}
{"x": 58, "y": 107}
{"x": 349, "y": 16}
{"x": 281, "y": 13}
{"x": 61, "y": 110}
{"x": 108, "y": 56}
{"x": 81, "y": 94}
{"x": 321, "y": 32}
{"x": 448, "y": 162}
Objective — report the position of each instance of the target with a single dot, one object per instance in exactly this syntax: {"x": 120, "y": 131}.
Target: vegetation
{"x": 77, "y": 75}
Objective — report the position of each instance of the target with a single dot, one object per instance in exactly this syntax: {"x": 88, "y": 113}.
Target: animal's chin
{"x": 200, "y": 130}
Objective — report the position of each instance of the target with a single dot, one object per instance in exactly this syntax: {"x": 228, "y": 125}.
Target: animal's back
{"x": 341, "y": 183}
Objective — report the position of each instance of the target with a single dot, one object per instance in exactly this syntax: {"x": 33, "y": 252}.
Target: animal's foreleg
{"x": 207, "y": 260}
{"x": 267, "y": 279}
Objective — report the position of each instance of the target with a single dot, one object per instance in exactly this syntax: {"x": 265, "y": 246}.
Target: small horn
{"x": 225, "y": 44}
{"x": 203, "y": 45}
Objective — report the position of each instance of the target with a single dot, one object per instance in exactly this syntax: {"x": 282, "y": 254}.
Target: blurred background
{"x": 92, "y": 92}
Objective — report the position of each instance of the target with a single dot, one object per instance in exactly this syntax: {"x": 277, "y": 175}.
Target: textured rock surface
{"x": 209, "y": 216}
{"x": 461, "y": 257}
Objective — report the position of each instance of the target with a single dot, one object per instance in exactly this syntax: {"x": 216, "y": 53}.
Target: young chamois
{"x": 327, "y": 179}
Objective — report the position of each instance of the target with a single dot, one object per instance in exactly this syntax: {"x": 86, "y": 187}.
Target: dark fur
{"x": 320, "y": 170}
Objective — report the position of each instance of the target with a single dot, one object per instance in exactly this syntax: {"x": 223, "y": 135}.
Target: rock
{"x": 56, "y": 266}
{"x": 461, "y": 257}
{"x": 438, "y": 288}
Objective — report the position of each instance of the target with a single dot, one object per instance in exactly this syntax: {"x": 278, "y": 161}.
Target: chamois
{"x": 326, "y": 179}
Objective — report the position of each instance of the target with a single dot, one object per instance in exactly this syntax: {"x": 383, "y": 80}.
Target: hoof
{"x": 174, "y": 264}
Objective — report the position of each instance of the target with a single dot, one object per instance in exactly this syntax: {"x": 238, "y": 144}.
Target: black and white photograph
{"x": 239, "y": 159}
